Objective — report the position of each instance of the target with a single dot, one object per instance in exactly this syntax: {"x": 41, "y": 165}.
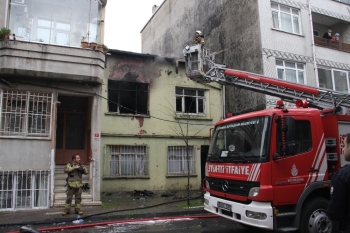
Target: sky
{"x": 124, "y": 21}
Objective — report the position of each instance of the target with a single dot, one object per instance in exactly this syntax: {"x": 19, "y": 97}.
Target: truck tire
{"x": 314, "y": 217}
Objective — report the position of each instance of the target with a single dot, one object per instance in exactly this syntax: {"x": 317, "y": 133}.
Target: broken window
{"x": 26, "y": 113}
{"x": 127, "y": 161}
{"x": 127, "y": 97}
{"x": 180, "y": 159}
{"x": 190, "y": 101}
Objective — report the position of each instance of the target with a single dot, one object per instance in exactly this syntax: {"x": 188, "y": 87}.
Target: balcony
{"x": 39, "y": 61}
{"x": 332, "y": 44}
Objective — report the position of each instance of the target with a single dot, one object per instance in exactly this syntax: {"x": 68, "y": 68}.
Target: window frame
{"x": 279, "y": 11}
{"x": 181, "y": 159}
{"x": 183, "y": 97}
{"x": 27, "y": 114}
{"x": 136, "y": 92}
{"x": 347, "y": 73}
{"x": 296, "y": 69}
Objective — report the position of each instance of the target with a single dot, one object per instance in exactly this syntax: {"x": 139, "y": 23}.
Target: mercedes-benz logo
{"x": 224, "y": 185}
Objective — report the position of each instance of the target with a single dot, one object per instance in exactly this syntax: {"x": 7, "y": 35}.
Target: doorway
{"x": 72, "y": 129}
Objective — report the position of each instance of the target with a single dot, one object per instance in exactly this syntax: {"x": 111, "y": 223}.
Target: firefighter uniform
{"x": 199, "y": 38}
{"x": 74, "y": 186}
{"x": 339, "y": 207}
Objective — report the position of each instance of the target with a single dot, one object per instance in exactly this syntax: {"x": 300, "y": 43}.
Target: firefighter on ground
{"x": 199, "y": 38}
{"x": 339, "y": 207}
{"x": 74, "y": 184}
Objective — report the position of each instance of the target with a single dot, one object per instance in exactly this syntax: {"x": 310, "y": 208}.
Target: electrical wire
{"x": 96, "y": 214}
{"x": 108, "y": 100}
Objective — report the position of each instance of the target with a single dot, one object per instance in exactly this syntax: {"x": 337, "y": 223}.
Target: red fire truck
{"x": 272, "y": 169}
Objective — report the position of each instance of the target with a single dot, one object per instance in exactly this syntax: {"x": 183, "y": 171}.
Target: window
{"x": 290, "y": 71}
{"x": 190, "y": 101}
{"x": 337, "y": 80}
{"x": 180, "y": 159}
{"x": 128, "y": 161}
{"x": 26, "y": 113}
{"x": 24, "y": 189}
{"x": 53, "y": 32}
{"x": 303, "y": 140}
{"x": 127, "y": 97}
{"x": 285, "y": 18}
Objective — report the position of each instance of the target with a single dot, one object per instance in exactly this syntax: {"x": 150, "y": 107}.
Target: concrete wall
{"x": 232, "y": 26}
{"x": 160, "y": 128}
{"x": 51, "y": 61}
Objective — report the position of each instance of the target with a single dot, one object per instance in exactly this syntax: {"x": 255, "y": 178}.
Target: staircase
{"x": 60, "y": 190}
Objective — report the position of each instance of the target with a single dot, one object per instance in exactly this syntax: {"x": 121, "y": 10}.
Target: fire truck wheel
{"x": 314, "y": 218}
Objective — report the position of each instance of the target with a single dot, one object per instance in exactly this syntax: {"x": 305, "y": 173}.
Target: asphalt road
{"x": 183, "y": 225}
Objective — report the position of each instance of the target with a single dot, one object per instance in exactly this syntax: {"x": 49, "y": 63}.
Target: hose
{"x": 91, "y": 215}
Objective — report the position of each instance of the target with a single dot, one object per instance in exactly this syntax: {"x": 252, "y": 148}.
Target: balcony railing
{"x": 332, "y": 44}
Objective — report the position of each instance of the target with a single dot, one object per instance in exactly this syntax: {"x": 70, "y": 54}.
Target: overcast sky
{"x": 124, "y": 21}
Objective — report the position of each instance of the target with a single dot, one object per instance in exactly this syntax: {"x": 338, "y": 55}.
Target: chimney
{"x": 154, "y": 9}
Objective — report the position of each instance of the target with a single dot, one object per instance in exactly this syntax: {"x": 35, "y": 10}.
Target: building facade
{"x": 50, "y": 100}
{"x": 155, "y": 124}
{"x": 276, "y": 38}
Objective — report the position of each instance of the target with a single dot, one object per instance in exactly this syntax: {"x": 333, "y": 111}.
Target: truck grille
{"x": 235, "y": 187}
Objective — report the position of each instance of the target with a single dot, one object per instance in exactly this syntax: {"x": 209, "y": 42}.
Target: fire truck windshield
{"x": 240, "y": 141}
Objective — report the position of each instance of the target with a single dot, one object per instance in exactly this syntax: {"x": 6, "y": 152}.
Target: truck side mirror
{"x": 289, "y": 132}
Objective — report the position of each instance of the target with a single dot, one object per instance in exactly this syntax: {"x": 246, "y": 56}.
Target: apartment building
{"x": 277, "y": 38}
{"x": 155, "y": 125}
{"x": 50, "y": 101}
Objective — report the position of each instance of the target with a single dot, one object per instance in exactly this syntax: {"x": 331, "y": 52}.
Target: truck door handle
{"x": 313, "y": 170}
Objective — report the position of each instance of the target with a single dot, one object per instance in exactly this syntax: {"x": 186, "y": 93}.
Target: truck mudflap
{"x": 257, "y": 214}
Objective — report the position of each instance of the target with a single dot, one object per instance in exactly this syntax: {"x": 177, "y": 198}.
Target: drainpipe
{"x": 6, "y": 12}
{"x": 53, "y": 148}
{"x": 313, "y": 44}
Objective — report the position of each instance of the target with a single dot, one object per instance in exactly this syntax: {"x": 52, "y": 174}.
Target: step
{"x": 286, "y": 229}
{"x": 286, "y": 214}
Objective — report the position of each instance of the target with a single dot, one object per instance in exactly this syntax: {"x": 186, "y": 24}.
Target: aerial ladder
{"x": 200, "y": 67}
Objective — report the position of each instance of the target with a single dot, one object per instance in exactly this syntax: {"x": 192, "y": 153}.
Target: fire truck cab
{"x": 272, "y": 169}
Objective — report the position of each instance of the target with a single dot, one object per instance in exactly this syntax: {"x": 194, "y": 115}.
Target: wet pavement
{"x": 121, "y": 205}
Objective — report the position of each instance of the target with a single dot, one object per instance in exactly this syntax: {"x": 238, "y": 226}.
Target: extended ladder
{"x": 201, "y": 68}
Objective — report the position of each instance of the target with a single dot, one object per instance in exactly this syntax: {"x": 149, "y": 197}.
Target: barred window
{"x": 24, "y": 189}
{"x": 25, "y": 113}
{"x": 180, "y": 159}
{"x": 190, "y": 101}
{"x": 285, "y": 18}
{"x": 129, "y": 161}
{"x": 290, "y": 71}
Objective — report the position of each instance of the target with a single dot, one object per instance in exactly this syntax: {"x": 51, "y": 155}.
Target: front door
{"x": 71, "y": 133}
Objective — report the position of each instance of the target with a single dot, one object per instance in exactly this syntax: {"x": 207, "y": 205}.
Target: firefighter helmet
{"x": 199, "y": 32}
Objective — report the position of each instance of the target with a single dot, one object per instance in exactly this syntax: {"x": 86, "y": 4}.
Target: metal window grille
{"x": 190, "y": 101}
{"x": 128, "y": 161}
{"x": 180, "y": 159}
{"x": 25, "y": 113}
{"x": 24, "y": 189}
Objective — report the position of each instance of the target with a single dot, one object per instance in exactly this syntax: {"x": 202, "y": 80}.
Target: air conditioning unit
{"x": 18, "y": 1}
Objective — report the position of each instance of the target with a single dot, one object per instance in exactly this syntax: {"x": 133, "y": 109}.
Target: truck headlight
{"x": 207, "y": 184}
{"x": 255, "y": 215}
{"x": 253, "y": 192}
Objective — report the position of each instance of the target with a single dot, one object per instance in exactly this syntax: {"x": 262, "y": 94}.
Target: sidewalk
{"x": 115, "y": 206}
